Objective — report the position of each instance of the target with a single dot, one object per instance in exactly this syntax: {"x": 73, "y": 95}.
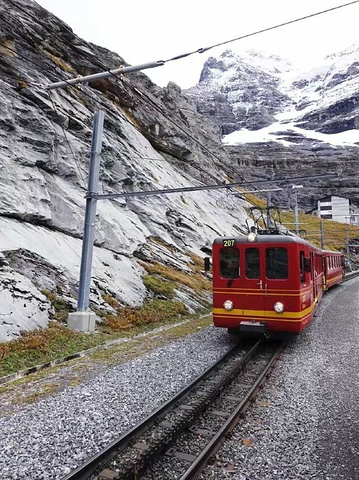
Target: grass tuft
{"x": 60, "y": 305}
{"x": 160, "y": 287}
{"x": 196, "y": 280}
{"x": 153, "y": 312}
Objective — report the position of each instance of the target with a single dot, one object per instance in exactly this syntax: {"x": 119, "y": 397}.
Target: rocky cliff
{"x": 274, "y": 118}
{"x": 153, "y": 139}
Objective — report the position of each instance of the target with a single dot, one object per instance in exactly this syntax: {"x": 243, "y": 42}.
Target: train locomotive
{"x": 268, "y": 284}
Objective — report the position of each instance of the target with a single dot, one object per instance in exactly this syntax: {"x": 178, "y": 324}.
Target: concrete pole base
{"x": 82, "y": 321}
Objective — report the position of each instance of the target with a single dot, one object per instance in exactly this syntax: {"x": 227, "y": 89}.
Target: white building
{"x": 338, "y": 209}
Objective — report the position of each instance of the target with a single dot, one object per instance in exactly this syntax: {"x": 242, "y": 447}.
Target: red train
{"x": 270, "y": 283}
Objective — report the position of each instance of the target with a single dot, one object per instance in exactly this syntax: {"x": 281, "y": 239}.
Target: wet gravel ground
{"x": 305, "y": 422}
{"x": 303, "y": 425}
{"x": 48, "y": 439}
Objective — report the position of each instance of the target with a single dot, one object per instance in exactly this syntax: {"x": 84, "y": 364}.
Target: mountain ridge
{"x": 311, "y": 122}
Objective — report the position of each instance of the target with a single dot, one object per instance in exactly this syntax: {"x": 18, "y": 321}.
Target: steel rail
{"x": 201, "y": 461}
{"x": 84, "y": 471}
{"x": 349, "y": 276}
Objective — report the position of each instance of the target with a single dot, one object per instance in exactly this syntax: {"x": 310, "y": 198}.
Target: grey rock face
{"x": 237, "y": 92}
{"x": 22, "y": 306}
{"x": 273, "y": 160}
{"x": 252, "y": 91}
{"x": 248, "y": 91}
{"x": 153, "y": 139}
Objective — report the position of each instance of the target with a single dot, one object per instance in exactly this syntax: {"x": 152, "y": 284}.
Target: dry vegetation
{"x": 334, "y": 233}
{"x": 196, "y": 280}
{"x": 59, "y": 62}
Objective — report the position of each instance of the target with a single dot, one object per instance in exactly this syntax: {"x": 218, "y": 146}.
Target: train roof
{"x": 284, "y": 239}
{"x": 266, "y": 239}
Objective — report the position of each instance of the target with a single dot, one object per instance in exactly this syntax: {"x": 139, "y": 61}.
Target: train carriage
{"x": 333, "y": 266}
{"x": 269, "y": 283}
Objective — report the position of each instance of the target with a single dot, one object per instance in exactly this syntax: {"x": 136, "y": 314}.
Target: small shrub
{"x": 159, "y": 287}
{"x": 113, "y": 302}
{"x": 59, "y": 62}
{"x": 196, "y": 281}
{"x": 157, "y": 311}
{"x": 60, "y": 305}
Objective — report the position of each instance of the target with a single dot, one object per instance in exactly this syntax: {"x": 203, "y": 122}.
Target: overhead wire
{"x": 143, "y": 96}
{"x": 69, "y": 145}
{"x": 263, "y": 30}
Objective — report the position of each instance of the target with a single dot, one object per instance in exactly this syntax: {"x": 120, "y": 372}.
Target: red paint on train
{"x": 272, "y": 283}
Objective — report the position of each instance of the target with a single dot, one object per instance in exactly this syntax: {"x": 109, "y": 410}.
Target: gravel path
{"x": 47, "y": 439}
{"x": 305, "y": 423}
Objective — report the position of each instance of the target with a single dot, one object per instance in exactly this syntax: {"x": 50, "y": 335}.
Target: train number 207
{"x": 228, "y": 243}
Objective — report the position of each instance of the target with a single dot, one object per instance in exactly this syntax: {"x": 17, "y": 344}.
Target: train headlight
{"x": 228, "y": 305}
{"x": 251, "y": 237}
{"x": 279, "y": 307}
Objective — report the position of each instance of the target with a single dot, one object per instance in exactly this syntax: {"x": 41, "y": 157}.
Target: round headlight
{"x": 279, "y": 307}
{"x": 251, "y": 237}
{"x": 228, "y": 305}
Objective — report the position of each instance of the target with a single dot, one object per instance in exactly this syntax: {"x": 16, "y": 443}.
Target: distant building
{"x": 339, "y": 209}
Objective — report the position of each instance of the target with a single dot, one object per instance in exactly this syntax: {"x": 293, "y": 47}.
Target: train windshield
{"x": 252, "y": 263}
{"x": 277, "y": 263}
{"x": 229, "y": 262}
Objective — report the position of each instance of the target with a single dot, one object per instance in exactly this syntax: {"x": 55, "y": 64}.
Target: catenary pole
{"x": 347, "y": 245}
{"x": 321, "y": 235}
{"x": 90, "y": 214}
{"x": 269, "y": 220}
{"x": 83, "y": 319}
{"x": 296, "y": 215}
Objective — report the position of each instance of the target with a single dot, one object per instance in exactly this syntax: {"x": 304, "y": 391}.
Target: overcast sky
{"x": 141, "y": 30}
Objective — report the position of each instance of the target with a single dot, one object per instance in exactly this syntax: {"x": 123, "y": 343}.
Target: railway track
{"x": 180, "y": 436}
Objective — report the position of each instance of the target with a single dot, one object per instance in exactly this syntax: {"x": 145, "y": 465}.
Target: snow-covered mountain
{"x": 274, "y": 118}
{"x": 252, "y": 92}
{"x": 238, "y": 92}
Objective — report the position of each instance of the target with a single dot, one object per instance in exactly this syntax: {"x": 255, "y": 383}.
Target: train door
{"x": 325, "y": 267}
{"x": 276, "y": 275}
{"x": 314, "y": 275}
{"x": 253, "y": 281}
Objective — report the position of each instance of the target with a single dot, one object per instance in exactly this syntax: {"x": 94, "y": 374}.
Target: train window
{"x": 277, "y": 262}
{"x": 229, "y": 262}
{"x": 301, "y": 266}
{"x": 252, "y": 263}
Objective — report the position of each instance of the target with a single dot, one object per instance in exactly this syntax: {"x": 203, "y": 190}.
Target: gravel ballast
{"x": 49, "y": 438}
{"x": 303, "y": 425}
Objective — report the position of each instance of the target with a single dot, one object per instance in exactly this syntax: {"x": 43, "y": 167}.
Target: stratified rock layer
{"x": 153, "y": 139}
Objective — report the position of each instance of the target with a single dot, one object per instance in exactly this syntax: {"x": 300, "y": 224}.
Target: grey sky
{"x": 142, "y": 31}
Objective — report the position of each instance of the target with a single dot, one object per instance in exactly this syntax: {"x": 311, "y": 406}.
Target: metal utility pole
{"x": 347, "y": 245}
{"x": 269, "y": 220}
{"x": 321, "y": 235}
{"x": 296, "y": 216}
{"x": 82, "y": 319}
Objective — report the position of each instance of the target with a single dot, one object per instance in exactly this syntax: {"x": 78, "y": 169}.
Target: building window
{"x": 328, "y": 217}
{"x": 325, "y": 207}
